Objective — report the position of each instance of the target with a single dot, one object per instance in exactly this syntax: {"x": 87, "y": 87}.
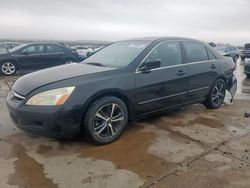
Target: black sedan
{"x": 123, "y": 81}
{"x": 35, "y": 56}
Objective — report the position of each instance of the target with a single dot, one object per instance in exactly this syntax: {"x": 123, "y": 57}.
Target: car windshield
{"x": 118, "y": 54}
{"x": 17, "y": 47}
{"x": 221, "y": 48}
{"x": 3, "y": 49}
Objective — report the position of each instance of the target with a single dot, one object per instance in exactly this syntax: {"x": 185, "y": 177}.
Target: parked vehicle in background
{"x": 247, "y": 67}
{"x": 11, "y": 45}
{"x": 82, "y": 51}
{"x": 35, "y": 56}
{"x": 3, "y": 49}
{"x": 228, "y": 51}
{"x": 246, "y": 52}
{"x": 123, "y": 81}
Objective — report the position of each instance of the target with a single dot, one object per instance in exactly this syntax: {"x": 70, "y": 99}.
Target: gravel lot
{"x": 190, "y": 147}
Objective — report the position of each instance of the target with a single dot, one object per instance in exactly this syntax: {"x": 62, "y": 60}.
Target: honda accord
{"x": 122, "y": 82}
{"x": 34, "y": 56}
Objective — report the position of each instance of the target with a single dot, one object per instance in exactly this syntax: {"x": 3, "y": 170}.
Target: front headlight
{"x": 51, "y": 97}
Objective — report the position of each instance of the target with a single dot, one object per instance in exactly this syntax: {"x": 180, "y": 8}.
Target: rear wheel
{"x": 105, "y": 120}
{"x": 8, "y": 68}
{"x": 216, "y": 95}
{"x": 69, "y": 60}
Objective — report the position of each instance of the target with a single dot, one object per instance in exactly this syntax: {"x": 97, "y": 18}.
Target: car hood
{"x": 32, "y": 81}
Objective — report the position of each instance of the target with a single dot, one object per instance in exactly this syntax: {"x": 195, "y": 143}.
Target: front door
{"x": 30, "y": 57}
{"x": 162, "y": 87}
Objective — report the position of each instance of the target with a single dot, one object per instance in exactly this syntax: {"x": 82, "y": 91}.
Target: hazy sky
{"x": 208, "y": 20}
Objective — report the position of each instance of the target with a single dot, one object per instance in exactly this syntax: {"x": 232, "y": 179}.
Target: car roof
{"x": 44, "y": 43}
{"x": 9, "y": 42}
{"x": 152, "y": 39}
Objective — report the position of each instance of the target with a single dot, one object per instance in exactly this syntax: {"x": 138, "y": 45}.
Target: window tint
{"x": 195, "y": 52}
{"x": 34, "y": 49}
{"x": 54, "y": 49}
{"x": 169, "y": 53}
{"x": 211, "y": 56}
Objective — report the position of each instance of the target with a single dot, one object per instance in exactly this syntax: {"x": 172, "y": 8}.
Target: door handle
{"x": 181, "y": 73}
{"x": 213, "y": 66}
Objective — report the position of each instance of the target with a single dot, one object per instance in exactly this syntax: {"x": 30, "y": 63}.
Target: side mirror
{"x": 149, "y": 65}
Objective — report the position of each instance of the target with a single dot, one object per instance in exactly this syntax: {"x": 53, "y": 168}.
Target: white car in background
{"x": 83, "y": 50}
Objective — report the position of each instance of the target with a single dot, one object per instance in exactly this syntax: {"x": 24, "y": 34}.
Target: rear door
{"x": 162, "y": 87}
{"x": 203, "y": 69}
{"x": 54, "y": 55}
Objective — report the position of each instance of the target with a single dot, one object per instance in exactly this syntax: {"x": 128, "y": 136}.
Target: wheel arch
{"x": 220, "y": 77}
{"x": 10, "y": 60}
{"x": 112, "y": 92}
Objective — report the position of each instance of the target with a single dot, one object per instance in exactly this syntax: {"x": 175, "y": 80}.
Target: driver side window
{"x": 35, "y": 49}
{"x": 169, "y": 53}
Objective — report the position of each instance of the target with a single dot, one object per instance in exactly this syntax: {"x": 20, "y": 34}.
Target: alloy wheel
{"x": 8, "y": 68}
{"x": 108, "y": 120}
{"x": 218, "y": 93}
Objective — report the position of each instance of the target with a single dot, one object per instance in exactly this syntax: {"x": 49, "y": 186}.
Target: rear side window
{"x": 195, "y": 52}
{"x": 54, "y": 49}
{"x": 169, "y": 53}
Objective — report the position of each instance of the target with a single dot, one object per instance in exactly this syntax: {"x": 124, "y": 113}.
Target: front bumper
{"x": 47, "y": 121}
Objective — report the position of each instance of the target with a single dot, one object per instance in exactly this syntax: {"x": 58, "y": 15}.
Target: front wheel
{"x": 8, "y": 68}
{"x": 105, "y": 120}
{"x": 216, "y": 95}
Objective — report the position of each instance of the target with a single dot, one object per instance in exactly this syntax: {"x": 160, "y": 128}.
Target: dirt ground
{"x": 189, "y": 147}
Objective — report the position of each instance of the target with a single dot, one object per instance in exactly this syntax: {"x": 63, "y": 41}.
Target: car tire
{"x": 248, "y": 75}
{"x": 105, "y": 120}
{"x": 8, "y": 68}
{"x": 216, "y": 94}
{"x": 69, "y": 60}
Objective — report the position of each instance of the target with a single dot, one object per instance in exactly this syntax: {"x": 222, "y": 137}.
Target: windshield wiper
{"x": 96, "y": 64}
